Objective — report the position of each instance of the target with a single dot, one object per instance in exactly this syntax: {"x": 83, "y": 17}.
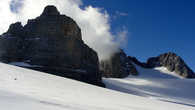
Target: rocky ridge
{"x": 171, "y": 61}
{"x": 120, "y": 65}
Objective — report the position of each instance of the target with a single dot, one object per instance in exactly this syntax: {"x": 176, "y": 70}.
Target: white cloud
{"x": 122, "y": 37}
{"x": 6, "y": 16}
{"x": 94, "y": 22}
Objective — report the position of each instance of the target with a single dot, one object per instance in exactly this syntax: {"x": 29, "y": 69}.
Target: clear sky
{"x": 154, "y": 26}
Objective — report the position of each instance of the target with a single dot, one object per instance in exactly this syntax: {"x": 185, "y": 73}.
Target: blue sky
{"x": 16, "y": 5}
{"x": 154, "y": 26}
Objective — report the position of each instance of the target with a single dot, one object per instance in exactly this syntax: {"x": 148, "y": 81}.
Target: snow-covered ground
{"x": 159, "y": 84}
{"x": 23, "y": 89}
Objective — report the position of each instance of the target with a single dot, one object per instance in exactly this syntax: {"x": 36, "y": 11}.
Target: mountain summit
{"x": 169, "y": 60}
{"x": 51, "y": 43}
{"x": 50, "y": 10}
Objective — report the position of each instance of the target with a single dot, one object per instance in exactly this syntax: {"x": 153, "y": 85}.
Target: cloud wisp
{"x": 121, "y": 13}
{"x": 94, "y": 22}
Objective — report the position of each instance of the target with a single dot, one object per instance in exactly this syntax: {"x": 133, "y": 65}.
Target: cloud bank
{"x": 94, "y": 22}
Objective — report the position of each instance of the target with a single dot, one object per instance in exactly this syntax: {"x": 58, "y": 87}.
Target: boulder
{"x": 53, "y": 43}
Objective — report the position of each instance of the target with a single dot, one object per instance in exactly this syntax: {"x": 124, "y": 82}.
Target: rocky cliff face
{"x": 53, "y": 43}
{"x": 171, "y": 61}
{"x": 118, "y": 66}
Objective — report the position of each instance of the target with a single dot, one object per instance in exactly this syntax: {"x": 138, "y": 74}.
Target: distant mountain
{"x": 171, "y": 61}
{"x": 51, "y": 43}
{"x": 121, "y": 65}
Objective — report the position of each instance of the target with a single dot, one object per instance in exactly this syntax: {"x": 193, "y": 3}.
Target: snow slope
{"x": 158, "y": 84}
{"x": 23, "y": 89}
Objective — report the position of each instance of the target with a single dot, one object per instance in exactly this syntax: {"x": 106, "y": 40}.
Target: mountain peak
{"x": 172, "y": 62}
{"x": 54, "y": 43}
{"x": 50, "y": 10}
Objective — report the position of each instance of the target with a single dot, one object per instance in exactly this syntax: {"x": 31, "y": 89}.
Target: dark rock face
{"x": 54, "y": 43}
{"x": 118, "y": 66}
{"x": 172, "y": 62}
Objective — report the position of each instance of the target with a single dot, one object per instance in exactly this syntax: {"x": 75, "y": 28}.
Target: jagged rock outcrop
{"x": 53, "y": 43}
{"x": 170, "y": 60}
{"x": 118, "y": 66}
